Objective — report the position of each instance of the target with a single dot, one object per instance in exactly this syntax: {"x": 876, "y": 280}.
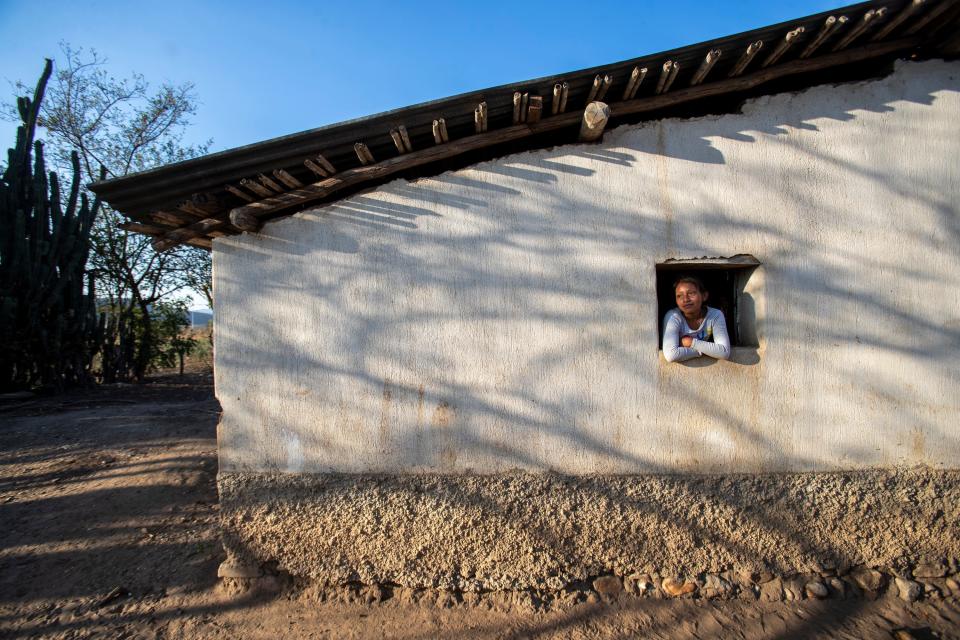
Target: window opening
{"x": 726, "y": 280}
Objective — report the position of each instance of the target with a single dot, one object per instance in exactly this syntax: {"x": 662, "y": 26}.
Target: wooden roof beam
{"x": 440, "y": 131}
{"x": 830, "y": 25}
{"x": 667, "y": 75}
{"x": 633, "y": 84}
{"x": 595, "y": 118}
{"x": 311, "y": 193}
{"x": 705, "y": 66}
{"x": 898, "y": 19}
{"x": 745, "y": 58}
{"x": 869, "y": 19}
{"x": 363, "y": 153}
{"x": 782, "y": 46}
{"x": 561, "y": 91}
{"x": 480, "y": 117}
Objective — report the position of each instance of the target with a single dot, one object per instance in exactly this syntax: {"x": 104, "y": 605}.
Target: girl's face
{"x": 689, "y": 299}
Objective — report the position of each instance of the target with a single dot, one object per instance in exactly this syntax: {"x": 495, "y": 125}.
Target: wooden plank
{"x": 405, "y": 137}
{"x": 363, "y": 153}
{"x": 243, "y": 195}
{"x": 534, "y": 109}
{"x": 287, "y": 179}
{"x": 316, "y": 168}
{"x": 311, "y": 193}
{"x": 256, "y": 187}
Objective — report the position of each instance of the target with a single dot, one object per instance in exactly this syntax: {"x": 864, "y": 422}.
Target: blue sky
{"x": 263, "y": 70}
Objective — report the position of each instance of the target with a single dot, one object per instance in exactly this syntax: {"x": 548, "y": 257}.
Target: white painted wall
{"x": 504, "y": 316}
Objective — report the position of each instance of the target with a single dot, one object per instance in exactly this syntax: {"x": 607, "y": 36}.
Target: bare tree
{"x": 124, "y": 126}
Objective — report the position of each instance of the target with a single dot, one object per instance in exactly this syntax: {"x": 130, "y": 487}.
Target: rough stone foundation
{"x": 546, "y": 532}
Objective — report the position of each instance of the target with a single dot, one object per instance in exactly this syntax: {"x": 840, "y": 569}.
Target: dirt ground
{"x": 108, "y": 529}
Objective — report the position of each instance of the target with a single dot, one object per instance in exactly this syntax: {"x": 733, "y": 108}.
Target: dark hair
{"x": 690, "y": 280}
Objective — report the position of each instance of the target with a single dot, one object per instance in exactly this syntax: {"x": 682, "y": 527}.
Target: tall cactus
{"x": 48, "y": 316}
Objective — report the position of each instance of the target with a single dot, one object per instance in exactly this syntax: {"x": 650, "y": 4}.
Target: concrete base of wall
{"x": 545, "y": 531}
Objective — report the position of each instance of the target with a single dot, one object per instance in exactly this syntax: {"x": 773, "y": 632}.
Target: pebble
{"x": 908, "y": 590}
{"x": 237, "y": 571}
{"x": 772, "y": 591}
{"x": 638, "y": 583}
{"x": 930, "y": 570}
{"x": 868, "y": 579}
{"x": 715, "y": 586}
{"x": 675, "y": 588}
{"x": 838, "y": 586}
{"x": 816, "y": 589}
{"x": 793, "y": 589}
{"x": 609, "y": 586}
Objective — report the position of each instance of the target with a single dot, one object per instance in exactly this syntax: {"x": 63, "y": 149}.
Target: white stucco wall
{"x": 504, "y": 316}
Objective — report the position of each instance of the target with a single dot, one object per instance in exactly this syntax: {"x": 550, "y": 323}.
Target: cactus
{"x": 48, "y": 317}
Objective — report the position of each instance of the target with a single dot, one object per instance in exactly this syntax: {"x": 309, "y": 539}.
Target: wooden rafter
{"x": 279, "y": 203}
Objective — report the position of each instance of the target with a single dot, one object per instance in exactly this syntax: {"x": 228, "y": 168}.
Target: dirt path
{"x": 108, "y": 512}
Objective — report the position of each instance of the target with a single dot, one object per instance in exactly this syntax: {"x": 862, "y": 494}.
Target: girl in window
{"x": 693, "y": 329}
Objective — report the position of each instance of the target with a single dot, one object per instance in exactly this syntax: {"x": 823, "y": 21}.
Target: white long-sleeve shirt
{"x": 709, "y": 339}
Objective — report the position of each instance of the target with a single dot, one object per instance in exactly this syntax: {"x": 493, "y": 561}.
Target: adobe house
{"x": 437, "y": 337}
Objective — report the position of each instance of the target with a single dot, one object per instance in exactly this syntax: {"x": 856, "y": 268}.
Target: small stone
{"x": 231, "y": 570}
{"x": 608, "y": 586}
{"x": 930, "y": 570}
{"x": 772, "y": 591}
{"x": 675, "y": 588}
{"x": 793, "y": 589}
{"x": 838, "y": 586}
{"x": 761, "y": 577}
{"x": 715, "y": 587}
{"x": 638, "y": 583}
{"x": 816, "y": 589}
{"x": 868, "y": 579}
{"x": 908, "y": 590}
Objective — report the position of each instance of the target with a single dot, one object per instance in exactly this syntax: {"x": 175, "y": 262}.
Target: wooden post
{"x": 316, "y": 168}
{"x": 869, "y": 18}
{"x": 256, "y": 187}
{"x": 270, "y": 184}
{"x": 636, "y": 78}
{"x": 480, "y": 118}
{"x": 363, "y": 153}
{"x": 534, "y": 109}
{"x": 398, "y": 141}
{"x": 440, "y": 131}
{"x": 667, "y": 76}
{"x": 899, "y": 19}
{"x": 405, "y": 137}
{"x": 605, "y": 83}
{"x": 936, "y": 11}
{"x": 564, "y": 91}
{"x": 245, "y": 221}
{"x": 325, "y": 164}
{"x": 287, "y": 179}
{"x": 745, "y": 59}
{"x": 830, "y": 25}
{"x": 705, "y": 66}
{"x": 243, "y": 195}
{"x": 595, "y": 118}
{"x": 782, "y": 47}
